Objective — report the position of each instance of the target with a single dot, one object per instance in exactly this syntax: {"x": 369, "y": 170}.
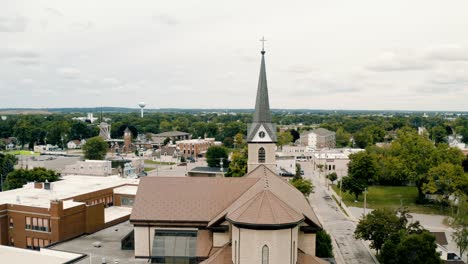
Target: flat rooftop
{"x": 45, "y": 256}
{"x": 128, "y": 189}
{"x": 68, "y": 187}
{"x": 110, "y": 239}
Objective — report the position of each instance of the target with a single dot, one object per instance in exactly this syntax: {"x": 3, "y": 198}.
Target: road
{"x": 336, "y": 223}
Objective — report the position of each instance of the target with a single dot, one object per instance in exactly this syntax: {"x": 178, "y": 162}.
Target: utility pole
{"x": 341, "y": 184}
{"x": 365, "y": 201}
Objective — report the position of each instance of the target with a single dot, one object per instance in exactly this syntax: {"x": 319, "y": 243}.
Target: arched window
{"x": 261, "y": 155}
{"x": 265, "y": 254}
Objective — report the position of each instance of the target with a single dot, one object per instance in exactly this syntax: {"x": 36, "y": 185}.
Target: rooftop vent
{"x": 47, "y": 185}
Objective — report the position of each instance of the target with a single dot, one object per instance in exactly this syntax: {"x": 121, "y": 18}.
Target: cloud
{"x": 301, "y": 69}
{"x": 390, "y": 61}
{"x": 322, "y": 86}
{"x": 447, "y": 53}
{"x": 53, "y": 11}
{"x": 23, "y": 57}
{"x": 80, "y": 27}
{"x": 12, "y": 24}
{"x": 448, "y": 76}
{"x": 166, "y": 19}
{"x": 69, "y": 73}
{"x": 110, "y": 81}
{"x": 27, "y": 81}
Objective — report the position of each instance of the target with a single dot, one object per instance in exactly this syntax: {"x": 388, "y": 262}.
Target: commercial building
{"x": 195, "y": 147}
{"x": 39, "y": 214}
{"x": 318, "y": 138}
{"x": 333, "y": 160}
{"x": 89, "y": 167}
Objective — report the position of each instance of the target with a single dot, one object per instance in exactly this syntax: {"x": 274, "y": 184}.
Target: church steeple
{"x": 262, "y": 104}
{"x": 261, "y": 133}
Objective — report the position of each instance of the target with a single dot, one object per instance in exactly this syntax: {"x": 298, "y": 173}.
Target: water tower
{"x": 142, "y": 105}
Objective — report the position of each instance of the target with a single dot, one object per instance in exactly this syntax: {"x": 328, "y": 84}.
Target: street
{"x": 335, "y": 222}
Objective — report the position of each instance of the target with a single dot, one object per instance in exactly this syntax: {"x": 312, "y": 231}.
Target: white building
{"x": 318, "y": 138}
{"x": 333, "y": 160}
{"x": 89, "y": 167}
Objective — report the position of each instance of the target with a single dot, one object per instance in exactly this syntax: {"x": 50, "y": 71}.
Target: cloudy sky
{"x": 328, "y": 54}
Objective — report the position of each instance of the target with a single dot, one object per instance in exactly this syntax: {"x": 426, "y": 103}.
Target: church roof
{"x": 210, "y": 200}
{"x": 186, "y": 199}
{"x": 265, "y": 208}
{"x": 262, "y": 114}
{"x": 282, "y": 189}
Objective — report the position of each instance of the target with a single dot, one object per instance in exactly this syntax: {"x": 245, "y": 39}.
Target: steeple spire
{"x": 262, "y": 105}
{"x": 262, "y": 115}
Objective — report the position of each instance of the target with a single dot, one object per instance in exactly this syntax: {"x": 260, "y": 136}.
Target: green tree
{"x": 298, "y": 171}
{"x": 303, "y": 185}
{"x": 439, "y": 134}
{"x": 447, "y": 179}
{"x": 284, "y": 138}
{"x": 7, "y": 163}
{"x": 460, "y": 237}
{"x": 238, "y": 163}
{"x": 239, "y": 140}
{"x": 332, "y": 177}
{"x": 324, "y": 247}
{"x": 363, "y": 166}
{"x": 378, "y": 226}
{"x": 95, "y": 148}
{"x": 22, "y": 131}
{"x": 18, "y": 178}
{"x": 342, "y": 138}
{"x": 215, "y": 154}
{"x": 410, "y": 248}
{"x": 353, "y": 186}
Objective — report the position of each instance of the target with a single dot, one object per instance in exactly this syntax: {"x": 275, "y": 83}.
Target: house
{"x": 318, "y": 138}
{"x": 76, "y": 143}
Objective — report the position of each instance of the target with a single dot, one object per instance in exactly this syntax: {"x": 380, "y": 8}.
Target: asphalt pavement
{"x": 347, "y": 249}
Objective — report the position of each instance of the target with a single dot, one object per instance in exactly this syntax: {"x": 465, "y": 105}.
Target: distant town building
{"x": 286, "y": 165}
{"x": 89, "y": 167}
{"x": 318, "y": 138}
{"x": 172, "y": 135}
{"x": 39, "y": 214}
{"x": 333, "y": 160}
{"x": 195, "y": 147}
{"x": 207, "y": 172}
{"x": 74, "y": 144}
{"x": 104, "y": 130}
{"x": 89, "y": 118}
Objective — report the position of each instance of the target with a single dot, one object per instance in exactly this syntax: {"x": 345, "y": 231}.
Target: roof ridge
{"x": 275, "y": 218}
{"x": 284, "y": 208}
{"x": 261, "y": 203}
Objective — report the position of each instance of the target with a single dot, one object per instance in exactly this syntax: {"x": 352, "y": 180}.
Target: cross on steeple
{"x": 263, "y": 44}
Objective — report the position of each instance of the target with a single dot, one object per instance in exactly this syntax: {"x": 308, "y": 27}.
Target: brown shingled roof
{"x": 222, "y": 256}
{"x": 186, "y": 199}
{"x": 265, "y": 208}
{"x": 277, "y": 185}
{"x": 303, "y": 258}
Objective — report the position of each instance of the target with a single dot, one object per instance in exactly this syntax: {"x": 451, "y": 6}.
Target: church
{"x": 258, "y": 218}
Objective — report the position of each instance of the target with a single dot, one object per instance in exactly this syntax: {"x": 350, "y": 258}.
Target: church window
{"x": 265, "y": 254}
{"x": 261, "y": 155}
{"x": 261, "y": 134}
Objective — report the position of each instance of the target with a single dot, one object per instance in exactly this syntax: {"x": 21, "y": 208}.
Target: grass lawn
{"x": 149, "y": 169}
{"x": 392, "y": 197}
{"x": 22, "y": 152}
{"x": 159, "y": 162}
